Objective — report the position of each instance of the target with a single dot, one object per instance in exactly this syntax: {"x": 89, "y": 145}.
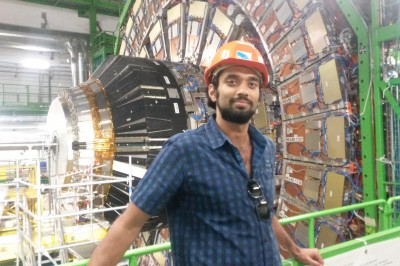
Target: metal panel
{"x": 313, "y": 141}
{"x": 175, "y": 35}
{"x": 217, "y": 34}
{"x": 311, "y": 189}
{"x": 301, "y": 3}
{"x": 334, "y": 190}
{"x": 326, "y": 237}
{"x": 307, "y": 88}
{"x": 157, "y": 42}
{"x": 283, "y": 12}
{"x": 317, "y": 32}
{"x": 330, "y": 82}
{"x": 336, "y": 138}
{"x": 298, "y": 47}
{"x": 196, "y": 25}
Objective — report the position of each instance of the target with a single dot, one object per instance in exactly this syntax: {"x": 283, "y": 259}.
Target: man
{"x": 216, "y": 181}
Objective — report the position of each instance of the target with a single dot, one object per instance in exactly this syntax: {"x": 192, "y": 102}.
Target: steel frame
{"x": 372, "y": 91}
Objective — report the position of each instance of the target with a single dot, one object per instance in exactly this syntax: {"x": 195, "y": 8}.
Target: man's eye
{"x": 231, "y": 82}
{"x": 253, "y": 84}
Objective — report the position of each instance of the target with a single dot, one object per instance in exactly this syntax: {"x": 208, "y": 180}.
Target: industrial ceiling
{"x": 105, "y": 7}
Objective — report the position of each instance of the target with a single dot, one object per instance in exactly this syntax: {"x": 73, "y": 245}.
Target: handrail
{"x": 388, "y": 211}
{"x": 133, "y": 254}
{"x": 310, "y": 217}
{"x": 350, "y": 245}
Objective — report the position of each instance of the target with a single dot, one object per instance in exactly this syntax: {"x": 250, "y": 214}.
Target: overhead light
{"x": 35, "y": 63}
{"x": 34, "y": 48}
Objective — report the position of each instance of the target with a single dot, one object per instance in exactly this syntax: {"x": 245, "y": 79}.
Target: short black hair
{"x": 215, "y": 83}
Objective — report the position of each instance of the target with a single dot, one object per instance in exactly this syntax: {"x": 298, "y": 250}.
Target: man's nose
{"x": 243, "y": 88}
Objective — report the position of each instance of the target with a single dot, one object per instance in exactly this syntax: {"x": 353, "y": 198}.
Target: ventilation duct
{"x": 72, "y": 48}
{"x": 32, "y": 41}
{"x": 49, "y": 41}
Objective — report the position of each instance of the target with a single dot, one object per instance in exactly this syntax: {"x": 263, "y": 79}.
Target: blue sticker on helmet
{"x": 243, "y": 55}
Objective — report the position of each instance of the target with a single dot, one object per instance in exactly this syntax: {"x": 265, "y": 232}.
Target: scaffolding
{"x": 55, "y": 219}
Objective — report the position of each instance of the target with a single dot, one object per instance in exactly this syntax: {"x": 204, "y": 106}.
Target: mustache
{"x": 241, "y": 98}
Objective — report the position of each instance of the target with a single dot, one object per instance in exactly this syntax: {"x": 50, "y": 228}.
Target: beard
{"x": 235, "y": 115}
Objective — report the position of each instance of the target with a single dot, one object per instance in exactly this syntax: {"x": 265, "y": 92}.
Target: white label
{"x": 285, "y": 59}
{"x": 284, "y": 207}
{"x": 282, "y": 214}
{"x": 293, "y": 180}
{"x": 370, "y": 221}
{"x": 176, "y": 107}
{"x": 289, "y": 169}
{"x": 291, "y": 99}
{"x": 272, "y": 28}
{"x": 167, "y": 80}
{"x": 294, "y": 139}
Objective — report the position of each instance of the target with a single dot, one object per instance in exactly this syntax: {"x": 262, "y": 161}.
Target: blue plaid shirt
{"x": 202, "y": 180}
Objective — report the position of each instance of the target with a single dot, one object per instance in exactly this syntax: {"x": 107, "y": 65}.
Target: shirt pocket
{"x": 264, "y": 175}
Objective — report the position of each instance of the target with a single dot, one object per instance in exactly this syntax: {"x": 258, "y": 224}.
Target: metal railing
{"x": 387, "y": 233}
{"x": 24, "y": 95}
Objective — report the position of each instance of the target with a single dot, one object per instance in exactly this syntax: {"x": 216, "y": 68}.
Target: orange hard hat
{"x": 237, "y": 53}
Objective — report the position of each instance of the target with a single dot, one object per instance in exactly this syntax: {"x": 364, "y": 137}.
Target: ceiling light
{"x": 35, "y": 63}
{"x": 34, "y": 48}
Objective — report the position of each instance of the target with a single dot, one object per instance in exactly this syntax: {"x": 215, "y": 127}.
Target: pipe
{"x": 36, "y": 39}
{"x": 25, "y": 44}
{"x": 48, "y": 41}
{"x": 71, "y": 46}
{"x": 76, "y": 49}
{"x": 31, "y": 41}
{"x": 82, "y": 73}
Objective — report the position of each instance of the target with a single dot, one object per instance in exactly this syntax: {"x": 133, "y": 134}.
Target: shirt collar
{"x": 217, "y": 138}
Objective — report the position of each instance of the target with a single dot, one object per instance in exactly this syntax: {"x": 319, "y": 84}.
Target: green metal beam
{"x": 366, "y": 118}
{"x": 385, "y": 88}
{"x": 378, "y": 117}
{"x": 122, "y": 19}
{"x": 388, "y": 32}
{"x": 111, "y": 8}
{"x": 92, "y": 25}
{"x": 381, "y": 89}
{"x": 394, "y": 81}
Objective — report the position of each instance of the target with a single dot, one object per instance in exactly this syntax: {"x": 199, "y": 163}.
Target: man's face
{"x": 237, "y": 95}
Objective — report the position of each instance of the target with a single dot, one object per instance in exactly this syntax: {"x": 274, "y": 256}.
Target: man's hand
{"x": 120, "y": 236}
{"x": 309, "y": 256}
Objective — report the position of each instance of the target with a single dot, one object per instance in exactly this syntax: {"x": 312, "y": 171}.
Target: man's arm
{"x": 120, "y": 236}
{"x": 309, "y": 256}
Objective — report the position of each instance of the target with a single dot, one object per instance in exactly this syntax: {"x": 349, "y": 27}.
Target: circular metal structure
{"x": 123, "y": 114}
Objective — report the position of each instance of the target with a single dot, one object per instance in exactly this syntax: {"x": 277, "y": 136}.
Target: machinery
{"x": 315, "y": 108}
{"x": 121, "y": 116}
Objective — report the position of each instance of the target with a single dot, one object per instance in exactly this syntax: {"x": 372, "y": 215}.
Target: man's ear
{"x": 212, "y": 93}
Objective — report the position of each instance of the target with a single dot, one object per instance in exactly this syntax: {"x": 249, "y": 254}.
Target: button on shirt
{"x": 200, "y": 177}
